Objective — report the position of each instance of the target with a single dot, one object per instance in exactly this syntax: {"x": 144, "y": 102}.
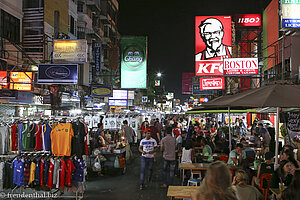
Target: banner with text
{"x": 66, "y": 51}
{"x": 212, "y": 83}
{"x": 240, "y": 66}
{"x": 290, "y": 13}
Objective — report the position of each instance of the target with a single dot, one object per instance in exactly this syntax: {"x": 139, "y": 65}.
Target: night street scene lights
{"x": 159, "y": 74}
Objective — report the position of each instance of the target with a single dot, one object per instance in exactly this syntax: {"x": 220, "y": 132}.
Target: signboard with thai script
{"x": 240, "y": 66}
{"x": 245, "y": 20}
{"x": 66, "y": 51}
{"x": 290, "y": 13}
{"x": 212, "y": 83}
{"x": 97, "y": 49}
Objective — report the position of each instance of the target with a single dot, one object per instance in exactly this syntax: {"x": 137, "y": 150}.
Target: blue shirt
{"x": 18, "y": 166}
{"x": 47, "y": 138}
{"x": 20, "y": 136}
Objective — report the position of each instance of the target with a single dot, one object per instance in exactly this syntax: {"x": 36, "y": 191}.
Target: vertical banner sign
{"x": 187, "y": 87}
{"x": 213, "y": 43}
{"x": 133, "y": 62}
{"x": 97, "y": 50}
{"x": 213, "y": 83}
{"x": 290, "y": 13}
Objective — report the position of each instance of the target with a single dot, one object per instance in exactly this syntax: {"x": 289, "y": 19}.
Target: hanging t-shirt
{"x": 63, "y": 169}
{"x": 32, "y": 172}
{"x": 14, "y": 136}
{"x": 42, "y": 172}
{"x": 4, "y": 140}
{"x": 89, "y": 121}
{"x": 32, "y": 136}
{"x": 70, "y": 168}
{"x": 46, "y": 172}
{"x": 55, "y": 172}
{"x": 20, "y": 126}
{"x": 37, "y": 176}
{"x": 18, "y": 166}
{"x": 38, "y": 138}
{"x": 26, "y": 172}
{"x": 1, "y": 175}
{"x": 78, "y": 173}
{"x": 50, "y": 174}
{"x": 96, "y": 120}
{"x": 61, "y": 137}
{"x": 78, "y": 144}
{"x": 26, "y": 136}
{"x": 46, "y": 137}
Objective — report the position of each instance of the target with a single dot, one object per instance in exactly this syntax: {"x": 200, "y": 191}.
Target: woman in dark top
{"x": 283, "y": 174}
{"x": 289, "y": 155}
{"x": 292, "y": 192}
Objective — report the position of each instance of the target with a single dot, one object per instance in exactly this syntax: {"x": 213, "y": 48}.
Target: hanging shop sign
{"x": 213, "y": 44}
{"x": 213, "y": 83}
{"x": 8, "y": 94}
{"x": 144, "y": 99}
{"x": 21, "y": 81}
{"x": 3, "y": 79}
{"x": 97, "y": 50}
{"x": 24, "y": 97}
{"x": 101, "y": 91}
{"x": 115, "y": 102}
{"x": 198, "y": 91}
{"x": 245, "y": 20}
{"x": 290, "y": 13}
{"x": 133, "y": 62}
{"x": 240, "y": 66}
{"x": 119, "y": 94}
{"x": 58, "y": 74}
{"x": 66, "y": 51}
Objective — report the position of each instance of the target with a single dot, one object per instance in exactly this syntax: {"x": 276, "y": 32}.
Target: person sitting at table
{"x": 243, "y": 190}
{"x": 237, "y": 155}
{"x": 216, "y": 184}
{"x": 206, "y": 151}
{"x": 289, "y": 155}
{"x": 287, "y": 147}
{"x": 266, "y": 167}
{"x": 292, "y": 192}
{"x": 257, "y": 141}
{"x": 283, "y": 174}
{"x": 187, "y": 152}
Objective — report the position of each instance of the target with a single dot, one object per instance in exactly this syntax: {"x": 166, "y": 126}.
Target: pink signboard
{"x": 212, "y": 83}
{"x": 187, "y": 87}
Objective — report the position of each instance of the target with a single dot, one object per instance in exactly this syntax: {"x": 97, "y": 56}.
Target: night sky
{"x": 169, "y": 25}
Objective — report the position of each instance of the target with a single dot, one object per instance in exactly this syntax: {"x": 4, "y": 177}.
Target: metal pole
{"x": 277, "y": 139}
{"x": 282, "y": 57}
{"x": 229, "y": 132}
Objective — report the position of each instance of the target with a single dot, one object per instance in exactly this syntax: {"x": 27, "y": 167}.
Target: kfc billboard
{"x": 240, "y": 66}
{"x": 244, "y": 20}
{"x": 213, "y": 43}
{"x": 212, "y": 83}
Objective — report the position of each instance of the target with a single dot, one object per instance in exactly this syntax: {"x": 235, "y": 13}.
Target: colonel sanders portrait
{"x": 211, "y": 31}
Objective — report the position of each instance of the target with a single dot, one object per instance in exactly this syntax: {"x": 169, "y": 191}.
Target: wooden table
{"x": 181, "y": 192}
{"x": 192, "y": 166}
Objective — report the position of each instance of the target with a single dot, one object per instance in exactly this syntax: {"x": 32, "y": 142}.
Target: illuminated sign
{"x": 244, "y": 20}
{"x": 115, "y": 102}
{"x": 58, "y": 74}
{"x": 34, "y": 68}
{"x": 119, "y": 94}
{"x": 3, "y": 79}
{"x": 133, "y": 62}
{"x": 157, "y": 82}
{"x": 213, "y": 83}
{"x": 66, "y": 51}
{"x": 213, "y": 44}
{"x": 290, "y": 13}
{"x": 240, "y": 66}
{"x": 101, "y": 91}
{"x": 130, "y": 94}
{"x": 21, "y": 81}
{"x": 203, "y": 100}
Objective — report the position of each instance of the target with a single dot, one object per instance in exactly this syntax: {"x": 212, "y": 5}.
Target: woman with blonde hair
{"x": 216, "y": 184}
{"x": 242, "y": 189}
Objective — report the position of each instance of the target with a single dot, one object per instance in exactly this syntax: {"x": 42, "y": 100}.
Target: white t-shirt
{"x": 148, "y": 145}
{"x": 186, "y": 155}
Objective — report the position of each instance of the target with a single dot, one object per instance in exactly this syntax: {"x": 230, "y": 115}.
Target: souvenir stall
{"x": 40, "y": 154}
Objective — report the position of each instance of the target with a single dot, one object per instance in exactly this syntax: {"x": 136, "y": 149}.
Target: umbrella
{"x": 278, "y": 95}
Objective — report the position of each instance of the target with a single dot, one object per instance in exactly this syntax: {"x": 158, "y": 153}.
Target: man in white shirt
{"x": 148, "y": 147}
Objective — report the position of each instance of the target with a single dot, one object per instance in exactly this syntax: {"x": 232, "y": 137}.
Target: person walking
{"x": 148, "y": 147}
{"x": 128, "y": 133}
{"x": 168, "y": 146}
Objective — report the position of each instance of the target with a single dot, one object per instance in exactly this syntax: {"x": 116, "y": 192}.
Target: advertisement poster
{"x": 21, "y": 81}
{"x": 101, "y": 91}
{"x": 290, "y": 14}
{"x": 66, "y": 51}
{"x": 133, "y": 62}
{"x": 58, "y": 74}
{"x": 245, "y": 20}
{"x": 240, "y": 66}
{"x": 213, "y": 43}
{"x": 187, "y": 87}
{"x": 3, "y": 79}
{"x": 213, "y": 83}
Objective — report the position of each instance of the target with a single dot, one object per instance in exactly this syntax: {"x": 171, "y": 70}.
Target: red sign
{"x": 3, "y": 79}
{"x": 213, "y": 83}
{"x": 240, "y": 66}
{"x": 213, "y": 43}
{"x": 248, "y": 20}
{"x": 187, "y": 87}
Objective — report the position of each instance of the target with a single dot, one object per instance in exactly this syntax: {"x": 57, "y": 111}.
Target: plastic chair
{"x": 265, "y": 188}
{"x": 224, "y": 158}
{"x": 194, "y": 181}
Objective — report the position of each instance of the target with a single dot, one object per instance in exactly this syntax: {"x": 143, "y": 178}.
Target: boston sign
{"x": 213, "y": 83}
{"x": 240, "y": 66}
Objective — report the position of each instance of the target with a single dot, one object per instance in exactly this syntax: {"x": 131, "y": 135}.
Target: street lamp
{"x": 158, "y": 74}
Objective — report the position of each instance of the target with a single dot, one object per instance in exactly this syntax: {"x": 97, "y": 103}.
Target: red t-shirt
{"x": 38, "y": 137}
{"x": 50, "y": 174}
{"x": 70, "y": 168}
{"x": 42, "y": 172}
{"x": 63, "y": 168}
{"x": 153, "y": 131}
{"x": 14, "y": 136}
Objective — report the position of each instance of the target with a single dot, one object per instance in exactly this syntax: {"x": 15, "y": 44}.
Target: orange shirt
{"x": 61, "y": 137}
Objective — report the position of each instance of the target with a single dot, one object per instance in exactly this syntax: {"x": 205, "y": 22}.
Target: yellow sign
{"x": 69, "y": 51}
{"x": 21, "y": 81}
{"x": 101, "y": 91}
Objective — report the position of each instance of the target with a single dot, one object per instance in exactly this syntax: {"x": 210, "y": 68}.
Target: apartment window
{"x": 80, "y": 6}
{"x": 10, "y": 27}
{"x": 72, "y": 25}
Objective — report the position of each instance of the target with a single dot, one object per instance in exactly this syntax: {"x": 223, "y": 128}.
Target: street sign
{"x": 144, "y": 99}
